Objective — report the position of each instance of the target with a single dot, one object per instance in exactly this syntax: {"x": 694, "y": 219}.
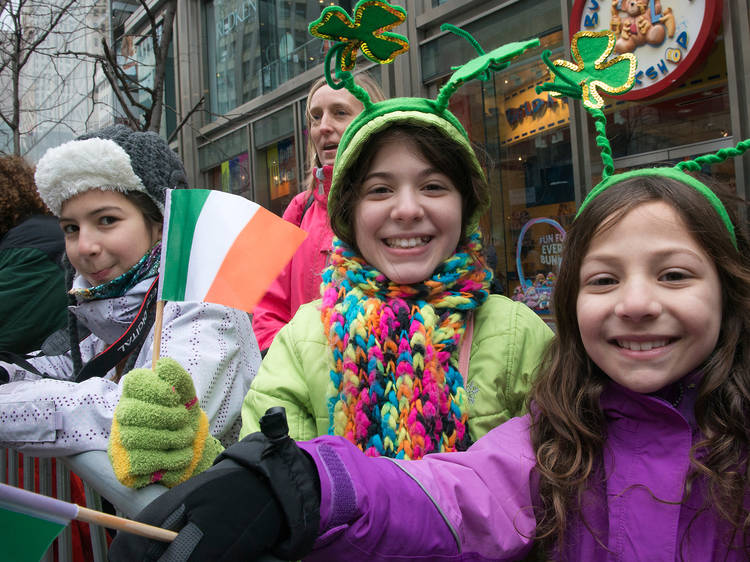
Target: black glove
{"x": 4, "y": 377}
{"x": 262, "y": 495}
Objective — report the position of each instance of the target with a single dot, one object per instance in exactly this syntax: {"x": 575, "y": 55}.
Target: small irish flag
{"x": 222, "y": 248}
{"x": 29, "y": 522}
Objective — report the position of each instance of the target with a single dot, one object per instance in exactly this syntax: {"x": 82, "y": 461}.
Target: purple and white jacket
{"x": 477, "y": 505}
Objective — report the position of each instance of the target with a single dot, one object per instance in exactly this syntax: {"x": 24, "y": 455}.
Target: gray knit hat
{"x": 115, "y": 158}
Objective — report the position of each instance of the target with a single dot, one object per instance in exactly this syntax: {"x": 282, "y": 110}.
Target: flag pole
{"x": 61, "y": 512}
{"x": 157, "y": 332}
{"x": 125, "y": 525}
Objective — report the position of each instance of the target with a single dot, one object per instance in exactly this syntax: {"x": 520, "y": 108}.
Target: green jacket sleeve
{"x": 507, "y": 347}
{"x": 294, "y": 374}
{"x": 33, "y": 302}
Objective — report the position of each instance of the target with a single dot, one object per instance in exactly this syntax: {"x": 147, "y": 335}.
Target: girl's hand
{"x": 159, "y": 433}
{"x": 262, "y": 495}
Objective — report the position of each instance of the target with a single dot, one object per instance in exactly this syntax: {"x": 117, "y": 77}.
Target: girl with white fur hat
{"x": 108, "y": 190}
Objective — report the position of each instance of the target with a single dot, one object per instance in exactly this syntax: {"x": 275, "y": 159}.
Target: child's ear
{"x": 156, "y": 232}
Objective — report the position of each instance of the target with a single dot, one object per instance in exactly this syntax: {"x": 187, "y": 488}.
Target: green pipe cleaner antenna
{"x": 594, "y": 73}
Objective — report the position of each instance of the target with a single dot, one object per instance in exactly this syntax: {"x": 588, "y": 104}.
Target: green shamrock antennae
{"x": 480, "y": 67}
{"x": 720, "y": 156}
{"x": 592, "y": 73}
{"x": 368, "y": 31}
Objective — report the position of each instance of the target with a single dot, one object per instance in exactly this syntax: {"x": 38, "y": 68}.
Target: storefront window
{"x": 519, "y": 21}
{"x": 233, "y": 176}
{"x": 696, "y": 111}
{"x": 256, "y": 45}
{"x": 227, "y": 165}
{"x": 527, "y": 139}
{"x": 536, "y": 175}
{"x": 276, "y": 177}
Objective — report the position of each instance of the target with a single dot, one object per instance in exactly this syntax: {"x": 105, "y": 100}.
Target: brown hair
{"x": 364, "y": 80}
{"x": 145, "y": 205}
{"x": 19, "y": 198}
{"x": 441, "y": 151}
{"x": 569, "y": 429}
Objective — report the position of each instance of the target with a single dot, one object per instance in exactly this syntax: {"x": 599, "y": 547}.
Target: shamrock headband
{"x": 369, "y": 31}
{"x": 594, "y": 72}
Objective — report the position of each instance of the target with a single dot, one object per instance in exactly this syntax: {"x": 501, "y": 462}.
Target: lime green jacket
{"x": 506, "y": 348}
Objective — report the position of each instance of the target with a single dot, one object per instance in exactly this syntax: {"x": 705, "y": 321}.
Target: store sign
{"x": 233, "y": 14}
{"x": 544, "y": 238}
{"x": 528, "y": 113}
{"x": 669, "y": 37}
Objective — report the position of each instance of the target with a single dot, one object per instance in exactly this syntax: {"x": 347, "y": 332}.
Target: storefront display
{"x": 683, "y": 104}
{"x": 233, "y": 175}
{"x": 527, "y": 139}
{"x": 276, "y": 178}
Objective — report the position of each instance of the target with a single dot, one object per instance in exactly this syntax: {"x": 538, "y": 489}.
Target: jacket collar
{"x": 620, "y": 402}
{"x": 109, "y": 318}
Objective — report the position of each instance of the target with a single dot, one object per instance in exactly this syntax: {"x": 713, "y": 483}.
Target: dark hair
{"x": 19, "y": 198}
{"x": 145, "y": 205}
{"x": 569, "y": 428}
{"x": 441, "y": 151}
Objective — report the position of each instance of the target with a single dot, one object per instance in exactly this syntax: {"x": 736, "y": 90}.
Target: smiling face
{"x": 408, "y": 217}
{"x": 105, "y": 234}
{"x": 649, "y": 304}
{"x": 329, "y": 114}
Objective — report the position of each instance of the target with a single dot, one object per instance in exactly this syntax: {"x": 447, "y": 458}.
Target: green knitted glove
{"x": 159, "y": 433}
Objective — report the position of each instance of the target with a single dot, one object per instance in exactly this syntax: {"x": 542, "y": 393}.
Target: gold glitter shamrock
{"x": 368, "y": 31}
{"x": 591, "y": 72}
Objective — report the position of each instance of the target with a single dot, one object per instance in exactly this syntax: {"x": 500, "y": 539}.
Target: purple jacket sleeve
{"x": 474, "y": 505}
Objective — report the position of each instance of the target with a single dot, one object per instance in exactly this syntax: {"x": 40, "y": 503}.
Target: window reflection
{"x": 256, "y": 45}
{"x": 527, "y": 138}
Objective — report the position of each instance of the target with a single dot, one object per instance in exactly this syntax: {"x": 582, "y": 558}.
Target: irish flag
{"x": 222, "y": 248}
{"x": 29, "y": 522}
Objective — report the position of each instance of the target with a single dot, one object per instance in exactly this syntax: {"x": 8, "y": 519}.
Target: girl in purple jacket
{"x": 636, "y": 444}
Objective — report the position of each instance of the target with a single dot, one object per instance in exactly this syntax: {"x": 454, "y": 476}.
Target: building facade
{"x": 252, "y": 62}
{"x": 62, "y": 92}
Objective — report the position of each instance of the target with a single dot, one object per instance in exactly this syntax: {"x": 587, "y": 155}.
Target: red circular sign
{"x": 669, "y": 37}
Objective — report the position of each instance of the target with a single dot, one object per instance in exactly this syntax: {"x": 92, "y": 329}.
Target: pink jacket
{"x": 299, "y": 282}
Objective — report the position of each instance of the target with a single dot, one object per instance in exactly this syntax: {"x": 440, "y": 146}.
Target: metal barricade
{"x": 95, "y": 470}
{"x": 41, "y": 481}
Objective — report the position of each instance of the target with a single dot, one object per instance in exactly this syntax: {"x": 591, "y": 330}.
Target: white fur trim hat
{"x": 115, "y": 158}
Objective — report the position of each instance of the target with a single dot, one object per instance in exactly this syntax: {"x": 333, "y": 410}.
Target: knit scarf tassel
{"x": 395, "y": 386}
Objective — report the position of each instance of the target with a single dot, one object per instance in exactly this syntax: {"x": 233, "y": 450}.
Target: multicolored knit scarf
{"x": 396, "y": 389}
{"x": 146, "y": 267}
